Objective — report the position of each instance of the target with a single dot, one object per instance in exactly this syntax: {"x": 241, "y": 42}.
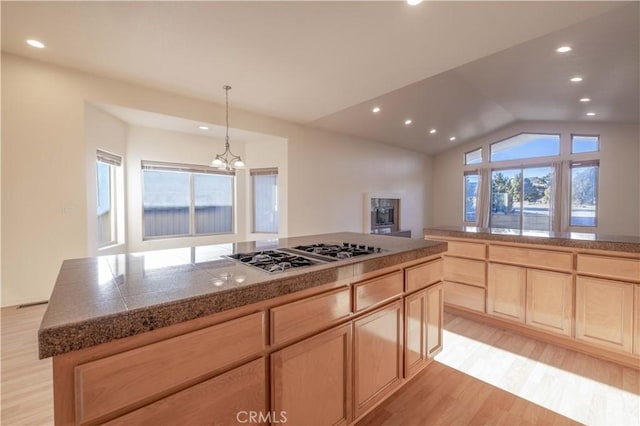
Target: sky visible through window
{"x": 526, "y": 146}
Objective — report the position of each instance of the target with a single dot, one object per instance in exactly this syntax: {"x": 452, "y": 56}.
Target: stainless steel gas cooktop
{"x": 284, "y": 259}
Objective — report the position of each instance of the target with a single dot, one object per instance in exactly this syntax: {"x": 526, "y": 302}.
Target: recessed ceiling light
{"x": 414, "y": 2}
{"x": 203, "y": 128}
{"x": 452, "y": 138}
{"x": 376, "y": 109}
{"x": 576, "y": 79}
{"x": 585, "y": 99}
{"x": 36, "y": 43}
{"x": 563, "y": 49}
{"x": 407, "y": 122}
{"x": 432, "y": 131}
{"x": 591, "y": 114}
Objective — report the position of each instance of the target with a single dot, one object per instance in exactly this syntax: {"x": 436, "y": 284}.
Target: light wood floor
{"x": 486, "y": 375}
{"x": 483, "y": 376}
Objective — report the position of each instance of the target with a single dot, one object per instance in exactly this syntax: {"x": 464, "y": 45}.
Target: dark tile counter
{"x": 620, "y": 243}
{"x": 100, "y": 299}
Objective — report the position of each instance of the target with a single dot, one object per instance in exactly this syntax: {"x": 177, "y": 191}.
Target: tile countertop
{"x": 100, "y": 299}
{"x": 619, "y": 243}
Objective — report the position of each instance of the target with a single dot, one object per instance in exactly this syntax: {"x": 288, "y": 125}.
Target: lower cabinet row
{"x": 604, "y": 311}
{"x": 331, "y": 378}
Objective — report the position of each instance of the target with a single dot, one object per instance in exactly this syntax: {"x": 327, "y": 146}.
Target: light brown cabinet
{"x": 415, "y": 351}
{"x": 604, "y": 312}
{"x": 311, "y": 380}
{"x": 541, "y": 299}
{"x": 378, "y": 360}
{"x": 435, "y": 321}
{"x": 237, "y": 393}
{"x": 506, "y": 291}
{"x": 549, "y": 301}
{"x": 636, "y": 313}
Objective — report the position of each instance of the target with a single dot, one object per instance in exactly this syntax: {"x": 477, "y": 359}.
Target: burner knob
{"x": 379, "y": 250}
{"x": 370, "y": 248}
{"x": 363, "y": 247}
{"x": 345, "y": 244}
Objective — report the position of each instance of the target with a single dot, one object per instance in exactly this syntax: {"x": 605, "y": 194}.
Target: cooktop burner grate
{"x": 273, "y": 260}
{"x": 338, "y": 251}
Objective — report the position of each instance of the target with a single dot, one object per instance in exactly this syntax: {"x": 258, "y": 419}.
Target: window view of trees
{"x": 518, "y": 203}
{"x": 470, "y": 196}
{"x": 584, "y": 192}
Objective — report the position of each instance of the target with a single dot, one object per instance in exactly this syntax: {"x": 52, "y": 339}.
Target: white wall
{"x": 619, "y": 180}
{"x": 44, "y": 169}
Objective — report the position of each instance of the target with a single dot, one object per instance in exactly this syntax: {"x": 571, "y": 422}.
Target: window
{"x": 584, "y": 193}
{"x": 265, "y": 200}
{"x": 581, "y": 144}
{"x": 470, "y": 195}
{"x": 525, "y": 145}
{"x": 473, "y": 157}
{"x": 520, "y": 198}
{"x": 106, "y": 166}
{"x": 183, "y": 200}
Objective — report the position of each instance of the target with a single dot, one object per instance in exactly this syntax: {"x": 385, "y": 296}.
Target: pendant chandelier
{"x": 227, "y": 160}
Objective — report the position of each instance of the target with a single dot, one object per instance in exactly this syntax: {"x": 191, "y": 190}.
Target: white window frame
{"x": 262, "y": 172}
{"x": 191, "y": 169}
{"x": 113, "y": 161}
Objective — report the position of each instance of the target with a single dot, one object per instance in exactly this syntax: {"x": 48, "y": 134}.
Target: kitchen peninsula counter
{"x": 580, "y": 240}
{"x": 578, "y": 290}
{"x": 192, "y": 336}
{"x": 101, "y": 299}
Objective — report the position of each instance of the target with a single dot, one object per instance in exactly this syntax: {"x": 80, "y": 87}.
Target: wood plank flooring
{"x": 27, "y": 389}
{"x": 484, "y": 375}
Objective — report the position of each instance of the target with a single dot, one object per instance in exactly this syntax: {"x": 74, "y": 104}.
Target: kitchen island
{"x": 577, "y": 290}
{"x": 193, "y": 335}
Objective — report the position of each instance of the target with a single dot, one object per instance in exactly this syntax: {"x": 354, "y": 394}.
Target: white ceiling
{"x": 466, "y": 68}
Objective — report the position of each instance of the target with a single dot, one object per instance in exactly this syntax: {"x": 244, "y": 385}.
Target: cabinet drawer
{"x": 113, "y": 383}
{"x": 304, "y": 316}
{"x": 242, "y": 389}
{"x": 610, "y": 267}
{"x": 422, "y": 275}
{"x": 464, "y": 249}
{"x": 372, "y": 292}
{"x": 464, "y": 295}
{"x": 531, "y": 257}
{"x": 464, "y": 271}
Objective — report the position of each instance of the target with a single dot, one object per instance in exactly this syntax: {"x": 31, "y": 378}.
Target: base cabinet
{"x": 378, "y": 360}
{"x": 604, "y": 312}
{"x": 435, "y": 320}
{"x": 238, "y": 393}
{"x": 506, "y": 291}
{"x": 549, "y": 301}
{"x": 311, "y": 380}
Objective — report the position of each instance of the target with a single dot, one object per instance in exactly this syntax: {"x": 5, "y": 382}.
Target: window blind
{"x": 265, "y": 171}
{"x": 189, "y": 168}
{"x": 108, "y": 158}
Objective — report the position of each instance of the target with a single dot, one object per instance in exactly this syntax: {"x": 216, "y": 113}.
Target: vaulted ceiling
{"x": 463, "y": 68}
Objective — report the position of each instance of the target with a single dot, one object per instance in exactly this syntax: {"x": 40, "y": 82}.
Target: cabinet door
{"x": 237, "y": 392}
{"x": 604, "y": 312}
{"x": 415, "y": 311}
{"x": 435, "y": 300}
{"x": 311, "y": 380}
{"x": 549, "y": 301}
{"x": 636, "y": 313}
{"x": 378, "y": 351}
{"x": 506, "y": 291}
